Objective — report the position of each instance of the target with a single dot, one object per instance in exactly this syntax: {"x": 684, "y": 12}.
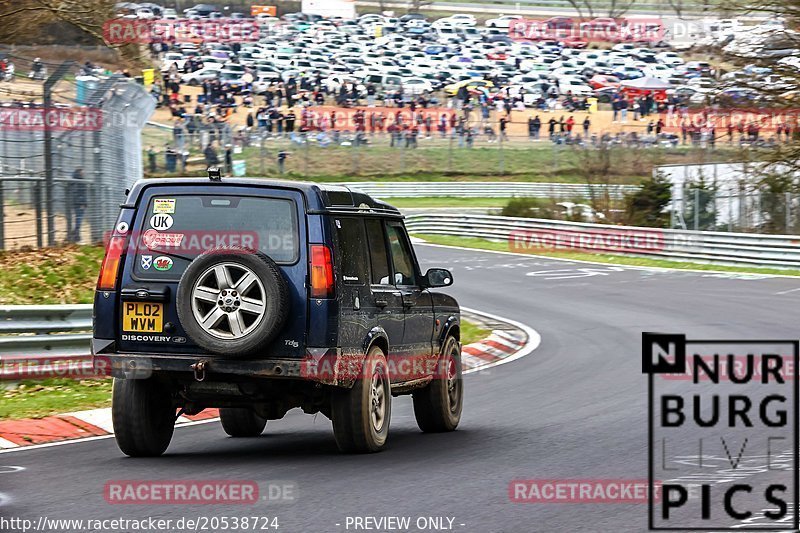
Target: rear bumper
{"x": 320, "y": 365}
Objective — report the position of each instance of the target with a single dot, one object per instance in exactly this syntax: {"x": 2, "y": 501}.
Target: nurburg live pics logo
{"x": 722, "y": 433}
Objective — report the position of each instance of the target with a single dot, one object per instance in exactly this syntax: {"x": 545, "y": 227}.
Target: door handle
{"x": 381, "y": 303}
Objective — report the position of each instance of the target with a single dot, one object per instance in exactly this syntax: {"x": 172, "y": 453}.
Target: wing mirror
{"x": 438, "y": 277}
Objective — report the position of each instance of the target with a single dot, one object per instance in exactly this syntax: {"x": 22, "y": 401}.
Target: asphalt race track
{"x": 574, "y": 408}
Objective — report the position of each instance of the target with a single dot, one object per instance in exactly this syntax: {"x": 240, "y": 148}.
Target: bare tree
{"x": 416, "y": 5}
{"x": 586, "y": 8}
{"x": 18, "y": 17}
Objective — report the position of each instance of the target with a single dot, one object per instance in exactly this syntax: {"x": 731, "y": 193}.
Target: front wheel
{"x": 143, "y": 417}
{"x": 241, "y": 422}
{"x": 361, "y": 414}
{"x": 438, "y": 406}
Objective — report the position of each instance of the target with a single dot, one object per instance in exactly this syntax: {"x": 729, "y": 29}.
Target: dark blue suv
{"x": 257, "y": 296}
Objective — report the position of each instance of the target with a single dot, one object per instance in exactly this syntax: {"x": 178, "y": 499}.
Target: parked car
{"x": 210, "y": 72}
{"x": 503, "y": 21}
{"x": 317, "y": 302}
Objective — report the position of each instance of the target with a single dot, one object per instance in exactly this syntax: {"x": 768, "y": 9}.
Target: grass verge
{"x": 37, "y": 399}
{"x": 471, "y": 332}
{"x": 62, "y": 275}
{"x": 483, "y": 244}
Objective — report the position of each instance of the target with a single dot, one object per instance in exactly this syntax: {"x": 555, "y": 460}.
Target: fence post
{"x": 306, "y": 156}
{"x": 696, "y": 209}
{"x": 502, "y": 156}
{"x": 788, "y": 210}
{"x": 2, "y": 218}
{"x": 47, "y": 103}
{"x": 37, "y": 200}
{"x": 261, "y": 156}
{"x": 450, "y": 155}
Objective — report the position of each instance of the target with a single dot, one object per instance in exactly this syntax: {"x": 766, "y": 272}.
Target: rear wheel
{"x": 241, "y": 422}
{"x": 143, "y": 417}
{"x": 232, "y": 301}
{"x": 361, "y": 414}
{"x": 438, "y": 406}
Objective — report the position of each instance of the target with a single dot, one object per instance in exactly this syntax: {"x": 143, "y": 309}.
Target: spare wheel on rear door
{"x": 232, "y": 301}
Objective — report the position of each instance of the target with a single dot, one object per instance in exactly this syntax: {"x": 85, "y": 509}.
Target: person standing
{"x": 78, "y": 197}
{"x": 290, "y": 119}
{"x": 228, "y": 159}
{"x": 151, "y": 159}
{"x": 210, "y": 155}
{"x": 282, "y": 155}
{"x": 586, "y": 125}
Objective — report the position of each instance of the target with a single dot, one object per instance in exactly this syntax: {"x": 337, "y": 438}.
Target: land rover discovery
{"x": 256, "y": 297}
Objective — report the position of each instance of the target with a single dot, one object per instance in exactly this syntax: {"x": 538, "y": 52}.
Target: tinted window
{"x": 377, "y": 252}
{"x": 352, "y": 250}
{"x": 178, "y": 228}
{"x": 401, "y": 257}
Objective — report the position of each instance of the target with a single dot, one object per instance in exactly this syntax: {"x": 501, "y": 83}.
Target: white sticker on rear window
{"x": 161, "y": 222}
{"x": 164, "y": 205}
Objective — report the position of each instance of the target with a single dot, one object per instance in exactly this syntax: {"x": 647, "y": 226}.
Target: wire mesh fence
{"x": 338, "y": 155}
{"x": 67, "y": 157}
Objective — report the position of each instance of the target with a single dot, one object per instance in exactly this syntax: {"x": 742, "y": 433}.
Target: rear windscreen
{"x": 178, "y": 228}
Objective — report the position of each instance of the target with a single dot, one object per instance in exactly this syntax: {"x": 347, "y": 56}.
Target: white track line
{"x": 534, "y": 340}
{"x": 631, "y": 267}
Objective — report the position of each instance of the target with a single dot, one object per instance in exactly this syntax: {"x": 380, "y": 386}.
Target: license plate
{"x": 142, "y": 317}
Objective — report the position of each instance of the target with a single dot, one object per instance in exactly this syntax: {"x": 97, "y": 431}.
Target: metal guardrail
{"x": 487, "y": 189}
{"x": 523, "y": 234}
{"x": 45, "y": 340}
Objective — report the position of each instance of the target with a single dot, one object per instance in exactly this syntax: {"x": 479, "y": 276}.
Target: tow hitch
{"x": 200, "y": 370}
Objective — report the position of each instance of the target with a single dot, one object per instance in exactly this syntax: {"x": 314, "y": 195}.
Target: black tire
{"x": 193, "y": 82}
{"x": 241, "y": 422}
{"x": 276, "y": 294}
{"x": 438, "y": 406}
{"x": 354, "y": 426}
{"x": 143, "y": 417}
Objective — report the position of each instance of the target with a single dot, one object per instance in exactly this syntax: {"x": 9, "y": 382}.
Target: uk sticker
{"x": 163, "y": 263}
{"x": 164, "y": 205}
{"x": 161, "y": 222}
{"x": 147, "y": 262}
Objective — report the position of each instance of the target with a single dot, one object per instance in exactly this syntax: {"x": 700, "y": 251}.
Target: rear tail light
{"x": 321, "y": 272}
{"x": 110, "y": 267}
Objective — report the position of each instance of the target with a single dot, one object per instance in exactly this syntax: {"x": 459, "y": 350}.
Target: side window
{"x": 377, "y": 252}
{"x": 402, "y": 259}
{"x": 352, "y": 250}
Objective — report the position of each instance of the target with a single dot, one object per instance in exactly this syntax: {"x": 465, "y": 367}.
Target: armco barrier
{"x": 524, "y": 234}
{"x": 44, "y": 339}
{"x": 486, "y": 189}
